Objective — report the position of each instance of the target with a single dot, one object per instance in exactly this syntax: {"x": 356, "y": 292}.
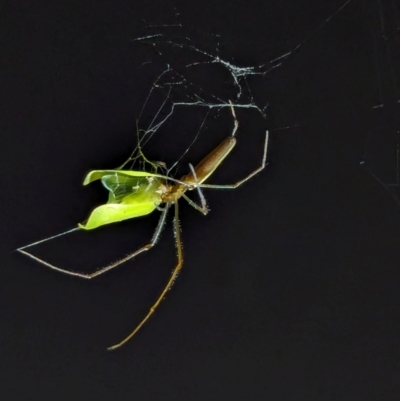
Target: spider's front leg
{"x": 96, "y": 273}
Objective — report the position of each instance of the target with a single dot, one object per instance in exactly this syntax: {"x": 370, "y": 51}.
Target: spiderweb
{"x": 194, "y": 84}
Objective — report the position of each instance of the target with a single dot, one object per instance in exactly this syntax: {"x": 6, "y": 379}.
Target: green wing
{"x": 121, "y": 185}
{"x": 112, "y": 213}
{"x": 131, "y": 195}
{"x": 97, "y": 174}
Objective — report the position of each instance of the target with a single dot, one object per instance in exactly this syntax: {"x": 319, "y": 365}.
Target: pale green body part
{"x": 132, "y": 194}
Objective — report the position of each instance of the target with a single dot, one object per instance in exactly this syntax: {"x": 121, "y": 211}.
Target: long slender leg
{"x": 235, "y": 121}
{"x": 203, "y": 209}
{"x": 47, "y": 239}
{"x": 170, "y": 283}
{"x": 195, "y": 205}
{"x": 96, "y": 273}
{"x": 242, "y": 181}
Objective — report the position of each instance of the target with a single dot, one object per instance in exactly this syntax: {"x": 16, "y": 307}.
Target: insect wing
{"x": 121, "y": 186}
{"x": 98, "y": 174}
{"x": 129, "y": 197}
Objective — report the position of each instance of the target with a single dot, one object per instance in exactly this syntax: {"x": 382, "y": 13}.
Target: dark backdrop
{"x": 290, "y": 285}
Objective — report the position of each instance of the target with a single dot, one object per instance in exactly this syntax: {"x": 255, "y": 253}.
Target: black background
{"x": 290, "y": 288}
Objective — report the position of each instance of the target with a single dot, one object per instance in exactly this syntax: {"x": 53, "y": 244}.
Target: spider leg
{"x": 251, "y": 175}
{"x": 235, "y": 121}
{"x": 170, "y": 283}
{"x": 96, "y": 273}
{"x": 203, "y": 208}
{"x": 195, "y": 205}
{"x": 46, "y": 239}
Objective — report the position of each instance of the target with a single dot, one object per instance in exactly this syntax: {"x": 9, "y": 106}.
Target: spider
{"x": 137, "y": 193}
